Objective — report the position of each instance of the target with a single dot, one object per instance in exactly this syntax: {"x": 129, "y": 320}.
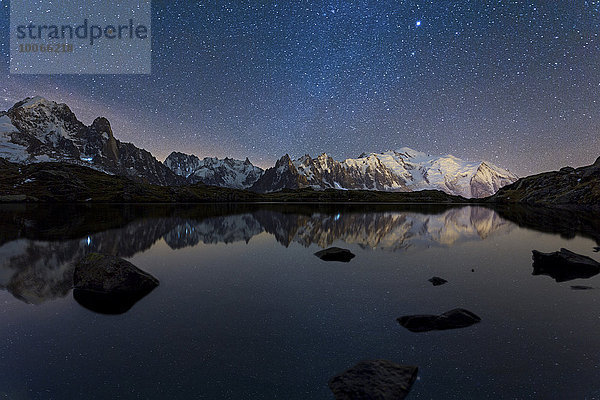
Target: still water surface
{"x": 245, "y": 310}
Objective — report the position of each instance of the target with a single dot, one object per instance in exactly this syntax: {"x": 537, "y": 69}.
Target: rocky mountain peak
{"x": 37, "y": 112}
{"x": 40, "y": 107}
{"x": 102, "y": 125}
{"x": 411, "y": 153}
{"x": 180, "y": 155}
{"x": 43, "y": 130}
{"x": 101, "y": 129}
{"x": 35, "y": 101}
{"x": 286, "y": 160}
{"x": 228, "y": 172}
{"x": 305, "y": 160}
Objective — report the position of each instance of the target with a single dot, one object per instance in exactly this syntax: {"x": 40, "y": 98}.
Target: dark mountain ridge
{"x": 567, "y": 187}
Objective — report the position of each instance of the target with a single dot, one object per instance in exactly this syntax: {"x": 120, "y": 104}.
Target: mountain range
{"x": 37, "y": 130}
{"x": 403, "y": 170}
{"x": 229, "y": 173}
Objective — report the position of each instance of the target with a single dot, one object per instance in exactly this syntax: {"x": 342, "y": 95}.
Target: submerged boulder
{"x": 564, "y": 265}
{"x": 581, "y": 287}
{"x": 374, "y": 380}
{"x": 453, "y": 319}
{"x": 110, "y": 285}
{"x": 335, "y": 254}
{"x": 437, "y": 281}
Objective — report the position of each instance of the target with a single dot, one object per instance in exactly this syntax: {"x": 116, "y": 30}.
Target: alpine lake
{"x": 245, "y": 310}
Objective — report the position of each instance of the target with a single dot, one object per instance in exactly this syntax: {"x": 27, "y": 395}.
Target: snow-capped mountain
{"x": 38, "y": 130}
{"x": 403, "y": 170}
{"x": 212, "y": 171}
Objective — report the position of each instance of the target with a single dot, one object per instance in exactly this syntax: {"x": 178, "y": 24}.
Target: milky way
{"x": 513, "y": 82}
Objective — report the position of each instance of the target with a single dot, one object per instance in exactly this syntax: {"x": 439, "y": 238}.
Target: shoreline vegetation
{"x": 68, "y": 183}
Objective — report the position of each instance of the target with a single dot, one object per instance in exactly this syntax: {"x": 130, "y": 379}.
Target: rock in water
{"x": 453, "y": 319}
{"x": 335, "y": 254}
{"x": 374, "y": 380}
{"x": 580, "y": 287}
{"x": 108, "y": 274}
{"x": 437, "y": 281}
{"x": 564, "y": 265}
{"x": 110, "y": 285}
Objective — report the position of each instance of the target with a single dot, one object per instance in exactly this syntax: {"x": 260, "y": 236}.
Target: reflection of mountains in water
{"x": 213, "y": 230}
{"x": 390, "y": 231}
{"x": 38, "y": 270}
{"x": 386, "y": 231}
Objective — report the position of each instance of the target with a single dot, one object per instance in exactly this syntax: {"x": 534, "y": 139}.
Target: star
{"x": 262, "y": 79}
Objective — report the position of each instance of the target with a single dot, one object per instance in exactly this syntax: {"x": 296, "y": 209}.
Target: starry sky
{"x": 516, "y": 83}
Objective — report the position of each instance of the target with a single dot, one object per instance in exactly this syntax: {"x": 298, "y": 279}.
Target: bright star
{"x": 418, "y": 23}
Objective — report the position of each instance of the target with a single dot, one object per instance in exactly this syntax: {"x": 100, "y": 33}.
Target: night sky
{"x": 513, "y": 82}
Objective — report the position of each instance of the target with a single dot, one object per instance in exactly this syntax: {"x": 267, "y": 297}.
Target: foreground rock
{"x": 374, "y": 380}
{"x": 335, "y": 254}
{"x": 437, "y": 281}
{"x": 564, "y": 265}
{"x": 110, "y": 285}
{"x": 453, "y": 319}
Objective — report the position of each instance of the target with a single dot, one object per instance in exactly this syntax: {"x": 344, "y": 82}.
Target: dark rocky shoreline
{"x": 567, "y": 189}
